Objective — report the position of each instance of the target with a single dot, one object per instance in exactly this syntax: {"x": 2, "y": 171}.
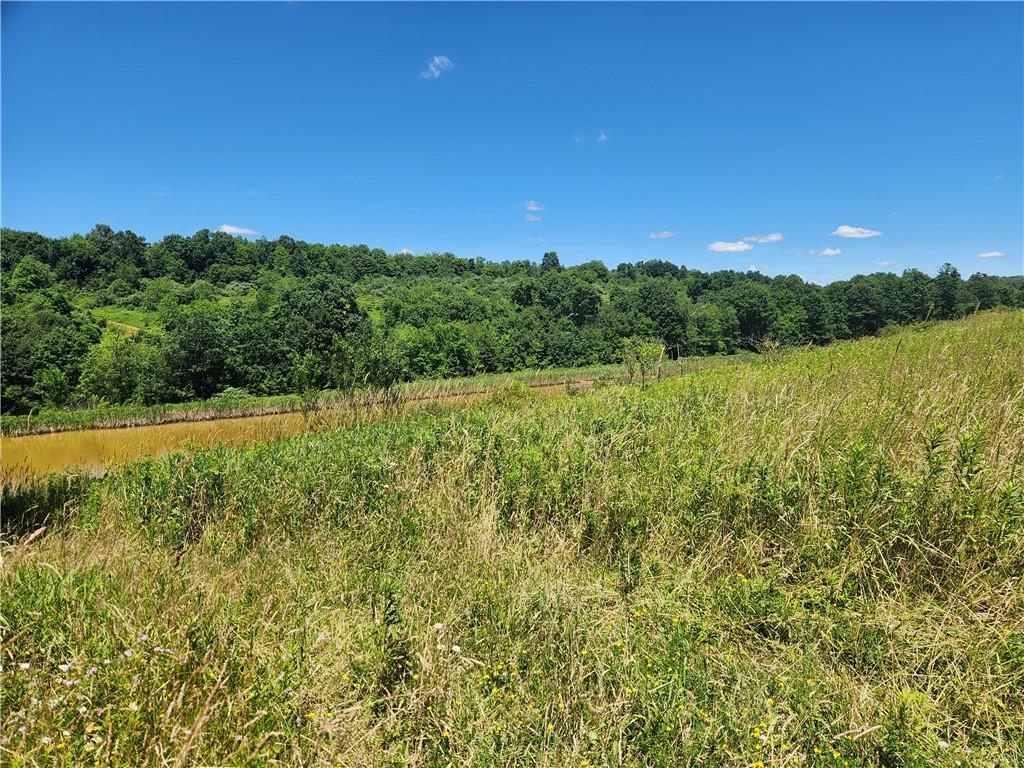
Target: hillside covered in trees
{"x": 109, "y": 318}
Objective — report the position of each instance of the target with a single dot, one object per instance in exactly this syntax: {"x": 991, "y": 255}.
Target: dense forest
{"x": 108, "y": 318}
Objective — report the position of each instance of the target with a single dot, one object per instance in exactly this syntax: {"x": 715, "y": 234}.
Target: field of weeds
{"x": 229, "y": 405}
{"x": 812, "y": 559}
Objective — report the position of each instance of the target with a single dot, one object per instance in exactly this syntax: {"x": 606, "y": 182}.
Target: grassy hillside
{"x": 814, "y": 559}
{"x": 131, "y": 321}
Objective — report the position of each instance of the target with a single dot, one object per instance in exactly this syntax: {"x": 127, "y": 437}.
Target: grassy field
{"x": 129, "y": 320}
{"x": 116, "y": 416}
{"x": 814, "y": 559}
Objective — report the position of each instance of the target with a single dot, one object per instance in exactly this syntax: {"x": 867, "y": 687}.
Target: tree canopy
{"x": 108, "y": 318}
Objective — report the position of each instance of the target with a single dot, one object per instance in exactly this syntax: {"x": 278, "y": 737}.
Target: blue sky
{"x": 607, "y": 131}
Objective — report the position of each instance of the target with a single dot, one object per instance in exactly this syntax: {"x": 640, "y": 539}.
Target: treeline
{"x": 223, "y": 315}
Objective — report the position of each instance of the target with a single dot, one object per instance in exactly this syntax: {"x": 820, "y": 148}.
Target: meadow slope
{"x": 812, "y": 559}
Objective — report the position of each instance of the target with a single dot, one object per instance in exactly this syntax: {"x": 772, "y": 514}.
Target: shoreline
{"x": 177, "y": 413}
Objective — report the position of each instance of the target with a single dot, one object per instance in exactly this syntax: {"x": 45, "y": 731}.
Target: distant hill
{"x": 187, "y": 317}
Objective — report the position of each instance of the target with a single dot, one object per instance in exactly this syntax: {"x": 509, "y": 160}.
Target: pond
{"x": 93, "y": 450}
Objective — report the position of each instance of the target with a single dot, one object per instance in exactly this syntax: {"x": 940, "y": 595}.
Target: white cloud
{"x": 161, "y": 194}
{"x": 774, "y": 237}
{"x": 436, "y": 66}
{"x": 231, "y": 229}
{"x": 826, "y": 252}
{"x": 752, "y": 268}
{"x": 532, "y": 207}
{"x": 844, "y": 230}
{"x": 721, "y": 247}
{"x": 577, "y": 139}
{"x": 883, "y": 263}
{"x": 663, "y": 234}
{"x": 998, "y": 177}
{"x": 602, "y": 137}
{"x": 406, "y": 252}
{"x": 991, "y": 255}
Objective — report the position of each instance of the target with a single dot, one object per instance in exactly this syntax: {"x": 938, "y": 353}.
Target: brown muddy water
{"x": 93, "y": 451}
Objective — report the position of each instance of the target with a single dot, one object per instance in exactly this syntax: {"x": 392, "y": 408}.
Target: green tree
{"x": 126, "y": 369}
{"x": 28, "y": 276}
{"x": 667, "y": 305}
{"x": 642, "y": 358}
{"x": 754, "y": 307}
{"x": 41, "y": 332}
{"x": 550, "y": 262}
{"x": 197, "y": 350}
{"x": 947, "y": 291}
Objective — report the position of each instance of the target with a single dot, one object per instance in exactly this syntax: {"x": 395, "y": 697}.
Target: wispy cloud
{"x": 883, "y": 263}
{"x": 161, "y": 194}
{"x": 752, "y": 268}
{"x": 999, "y": 177}
{"x": 826, "y": 252}
{"x": 665, "y": 233}
{"x": 774, "y": 237}
{"x": 722, "y": 247}
{"x": 845, "y": 230}
{"x": 406, "y": 252}
{"x": 602, "y": 137}
{"x": 436, "y": 66}
{"x": 991, "y": 255}
{"x": 577, "y": 139}
{"x": 231, "y": 229}
{"x": 532, "y": 207}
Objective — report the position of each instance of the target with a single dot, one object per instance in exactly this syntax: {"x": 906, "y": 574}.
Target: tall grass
{"x": 815, "y": 559}
{"x": 118, "y": 416}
